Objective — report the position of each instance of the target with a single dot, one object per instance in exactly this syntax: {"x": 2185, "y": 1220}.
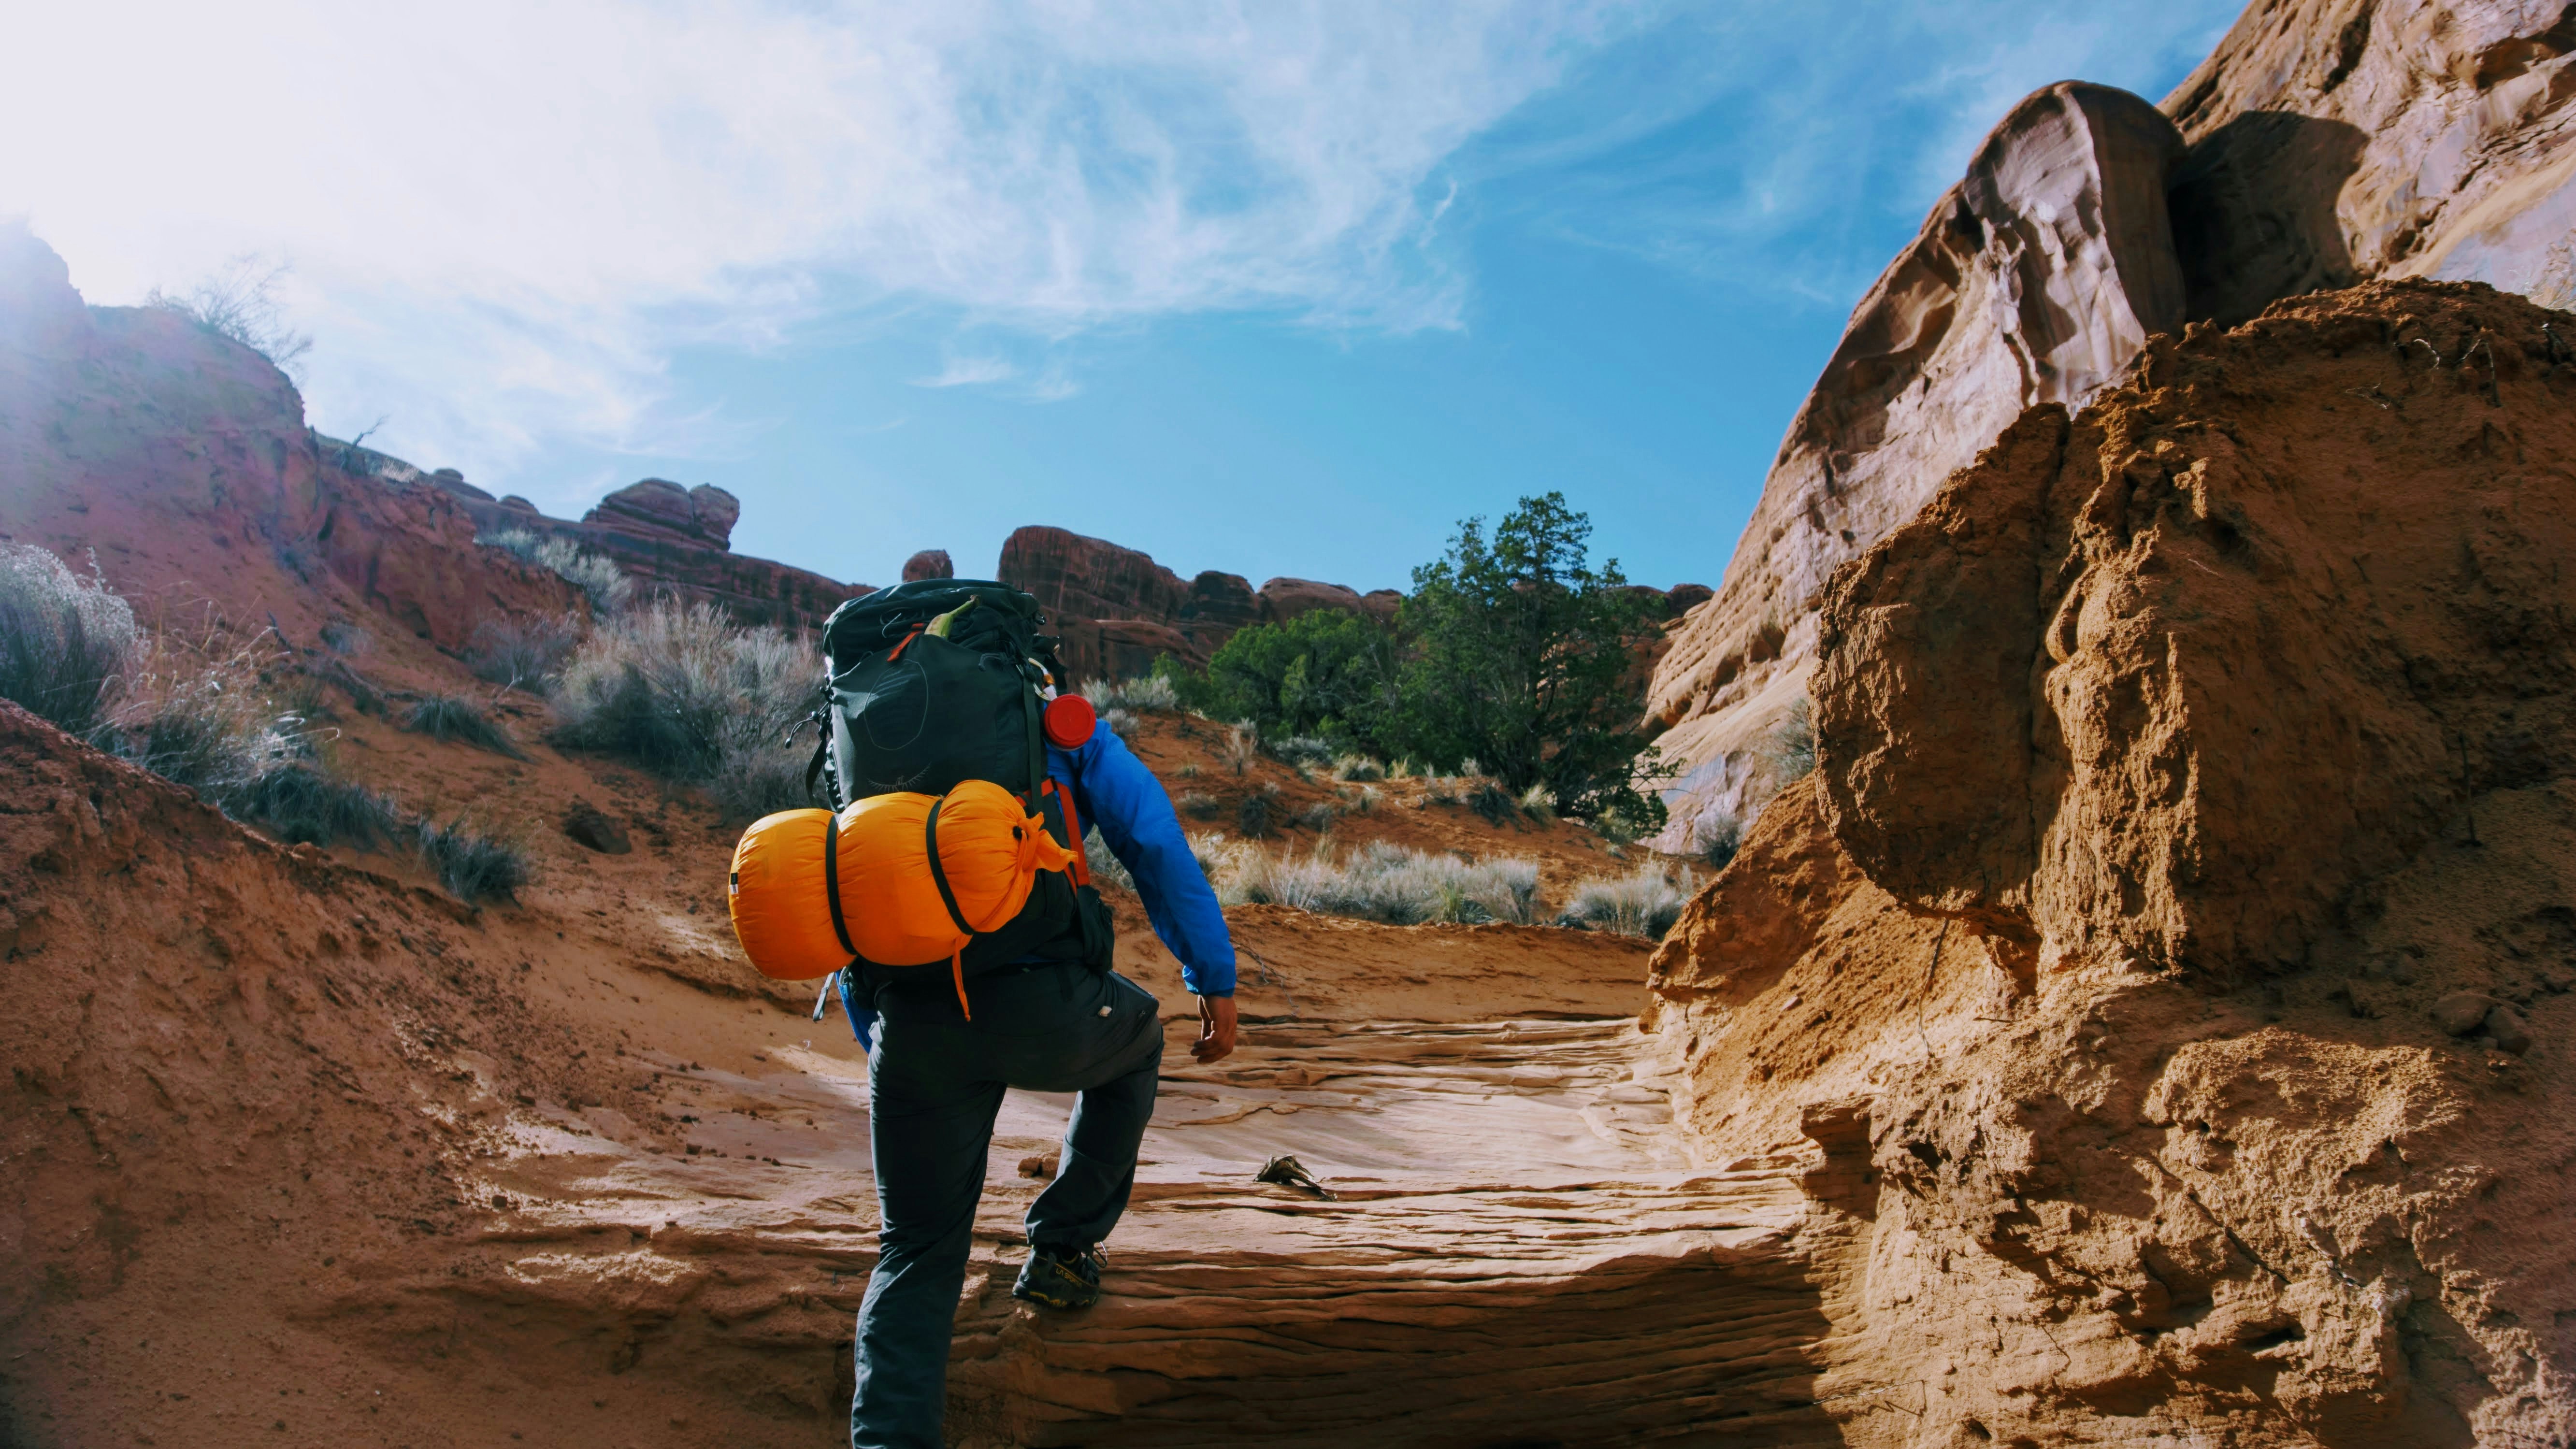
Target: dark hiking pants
{"x": 935, "y": 1083}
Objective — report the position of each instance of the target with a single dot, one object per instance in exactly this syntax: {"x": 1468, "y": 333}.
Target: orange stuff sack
{"x": 789, "y": 868}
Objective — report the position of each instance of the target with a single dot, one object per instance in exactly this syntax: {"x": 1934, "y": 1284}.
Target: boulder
{"x": 2510, "y": 1031}
{"x": 658, "y": 507}
{"x": 930, "y": 563}
{"x": 2463, "y": 1012}
{"x": 2034, "y": 280}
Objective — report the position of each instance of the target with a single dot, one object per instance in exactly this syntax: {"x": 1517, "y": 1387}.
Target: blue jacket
{"x": 1115, "y": 794}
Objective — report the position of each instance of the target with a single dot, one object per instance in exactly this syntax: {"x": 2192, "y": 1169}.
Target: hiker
{"x": 917, "y": 698}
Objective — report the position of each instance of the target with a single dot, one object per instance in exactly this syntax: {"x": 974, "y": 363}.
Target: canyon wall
{"x": 2323, "y": 143}
{"x": 2167, "y": 971}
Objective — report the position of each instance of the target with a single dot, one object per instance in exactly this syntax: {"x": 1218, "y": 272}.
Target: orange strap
{"x": 906, "y": 644}
{"x": 957, "y": 973}
{"x": 1072, "y": 827}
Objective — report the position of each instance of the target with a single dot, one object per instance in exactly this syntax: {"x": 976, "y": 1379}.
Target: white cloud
{"x": 969, "y": 372}
{"x": 507, "y": 216}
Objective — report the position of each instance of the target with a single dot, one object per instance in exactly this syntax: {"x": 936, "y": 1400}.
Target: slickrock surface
{"x": 2034, "y": 280}
{"x": 2339, "y": 140}
{"x": 302, "y": 1144}
{"x": 2167, "y": 965}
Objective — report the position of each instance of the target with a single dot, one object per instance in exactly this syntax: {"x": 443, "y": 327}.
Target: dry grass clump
{"x": 1306, "y": 752}
{"x": 608, "y": 587}
{"x": 1358, "y": 769}
{"x": 1145, "y": 692}
{"x": 1121, "y": 722}
{"x": 474, "y": 865}
{"x": 453, "y": 717}
{"x": 685, "y": 692}
{"x": 1644, "y": 903}
{"x": 521, "y": 653}
{"x": 1377, "y": 882}
{"x": 65, "y": 640}
{"x": 1199, "y": 805}
{"x": 1242, "y": 741}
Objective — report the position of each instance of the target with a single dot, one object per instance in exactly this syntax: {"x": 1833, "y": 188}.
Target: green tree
{"x": 1523, "y": 657}
{"x": 1327, "y": 672}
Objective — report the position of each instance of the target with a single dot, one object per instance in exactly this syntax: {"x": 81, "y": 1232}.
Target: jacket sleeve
{"x": 1116, "y": 793}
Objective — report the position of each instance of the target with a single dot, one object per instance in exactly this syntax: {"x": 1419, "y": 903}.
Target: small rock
{"x": 2462, "y": 1012}
{"x": 2508, "y": 1028}
{"x": 1041, "y": 1168}
{"x": 588, "y": 825}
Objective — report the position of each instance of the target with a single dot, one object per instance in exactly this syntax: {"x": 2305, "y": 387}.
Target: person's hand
{"x": 1216, "y": 1029}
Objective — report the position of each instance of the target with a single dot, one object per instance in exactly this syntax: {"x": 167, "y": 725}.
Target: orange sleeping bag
{"x": 810, "y": 892}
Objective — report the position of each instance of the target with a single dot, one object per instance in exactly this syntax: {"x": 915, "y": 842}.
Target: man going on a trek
{"x": 1048, "y": 1018}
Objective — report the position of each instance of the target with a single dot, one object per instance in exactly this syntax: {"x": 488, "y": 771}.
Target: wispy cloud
{"x": 511, "y": 214}
{"x": 509, "y": 218}
{"x": 969, "y": 372}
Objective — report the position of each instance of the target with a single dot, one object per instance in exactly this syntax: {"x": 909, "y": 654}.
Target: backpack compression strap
{"x": 948, "y": 898}
{"x": 832, "y": 885}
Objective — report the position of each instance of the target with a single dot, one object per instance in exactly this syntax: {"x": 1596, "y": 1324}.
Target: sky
{"x": 1276, "y": 288}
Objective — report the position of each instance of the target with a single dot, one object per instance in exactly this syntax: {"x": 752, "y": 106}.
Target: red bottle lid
{"x": 1069, "y": 721}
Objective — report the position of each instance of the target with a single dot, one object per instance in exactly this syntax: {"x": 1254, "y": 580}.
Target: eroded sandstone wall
{"x": 2033, "y": 280}
{"x": 2166, "y": 973}
{"x": 2326, "y": 142}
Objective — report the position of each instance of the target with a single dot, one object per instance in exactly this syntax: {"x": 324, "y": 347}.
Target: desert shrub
{"x": 1258, "y": 813}
{"x": 1145, "y": 691}
{"x": 1241, "y": 742}
{"x": 240, "y": 302}
{"x": 1303, "y": 751}
{"x": 760, "y": 778}
{"x": 453, "y": 717}
{"x": 1320, "y": 815}
{"x": 1189, "y": 770}
{"x": 1121, "y": 722}
{"x": 1493, "y": 803}
{"x": 303, "y": 802}
{"x": 1539, "y": 804}
{"x": 685, "y": 692}
{"x": 1715, "y": 838}
{"x": 1106, "y": 868}
{"x": 607, "y": 586}
{"x": 65, "y": 641}
{"x": 474, "y": 865}
{"x": 1364, "y": 800}
{"x": 1382, "y": 882}
{"x": 1791, "y": 750}
{"x": 1200, "y": 805}
{"x": 1358, "y": 769}
{"x": 1644, "y": 903}
{"x": 342, "y": 637}
{"x": 521, "y": 653}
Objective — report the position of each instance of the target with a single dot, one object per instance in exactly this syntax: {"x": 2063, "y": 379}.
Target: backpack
{"x": 938, "y": 682}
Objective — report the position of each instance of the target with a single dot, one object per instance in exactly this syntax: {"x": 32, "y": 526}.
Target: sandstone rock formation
{"x": 2338, "y": 140}
{"x": 1118, "y": 611}
{"x": 2167, "y": 968}
{"x": 2328, "y": 142}
{"x": 664, "y": 535}
{"x": 2034, "y": 280}
{"x": 179, "y": 459}
{"x": 930, "y": 563}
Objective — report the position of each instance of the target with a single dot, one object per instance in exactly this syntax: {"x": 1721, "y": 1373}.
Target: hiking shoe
{"x": 1056, "y": 1277}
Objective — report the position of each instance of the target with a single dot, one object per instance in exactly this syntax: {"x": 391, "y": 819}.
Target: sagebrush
{"x": 65, "y": 640}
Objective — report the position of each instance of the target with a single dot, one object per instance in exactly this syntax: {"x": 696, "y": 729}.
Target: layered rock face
{"x": 2167, "y": 968}
{"x": 666, "y": 536}
{"x": 2336, "y": 140}
{"x": 1118, "y": 611}
{"x": 2034, "y": 280}
{"x": 179, "y": 460}
{"x": 2326, "y": 142}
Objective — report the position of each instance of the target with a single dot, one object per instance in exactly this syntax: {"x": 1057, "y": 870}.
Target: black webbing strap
{"x": 832, "y": 882}
{"x": 814, "y": 766}
{"x": 1037, "y": 744}
{"x": 939, "y": 873}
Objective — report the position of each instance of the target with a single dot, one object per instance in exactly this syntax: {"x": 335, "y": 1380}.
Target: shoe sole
{"x": 1044, "y": 1300}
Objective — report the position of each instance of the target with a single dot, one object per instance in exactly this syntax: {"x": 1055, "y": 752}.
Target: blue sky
{"x": 1273, "y": 288}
